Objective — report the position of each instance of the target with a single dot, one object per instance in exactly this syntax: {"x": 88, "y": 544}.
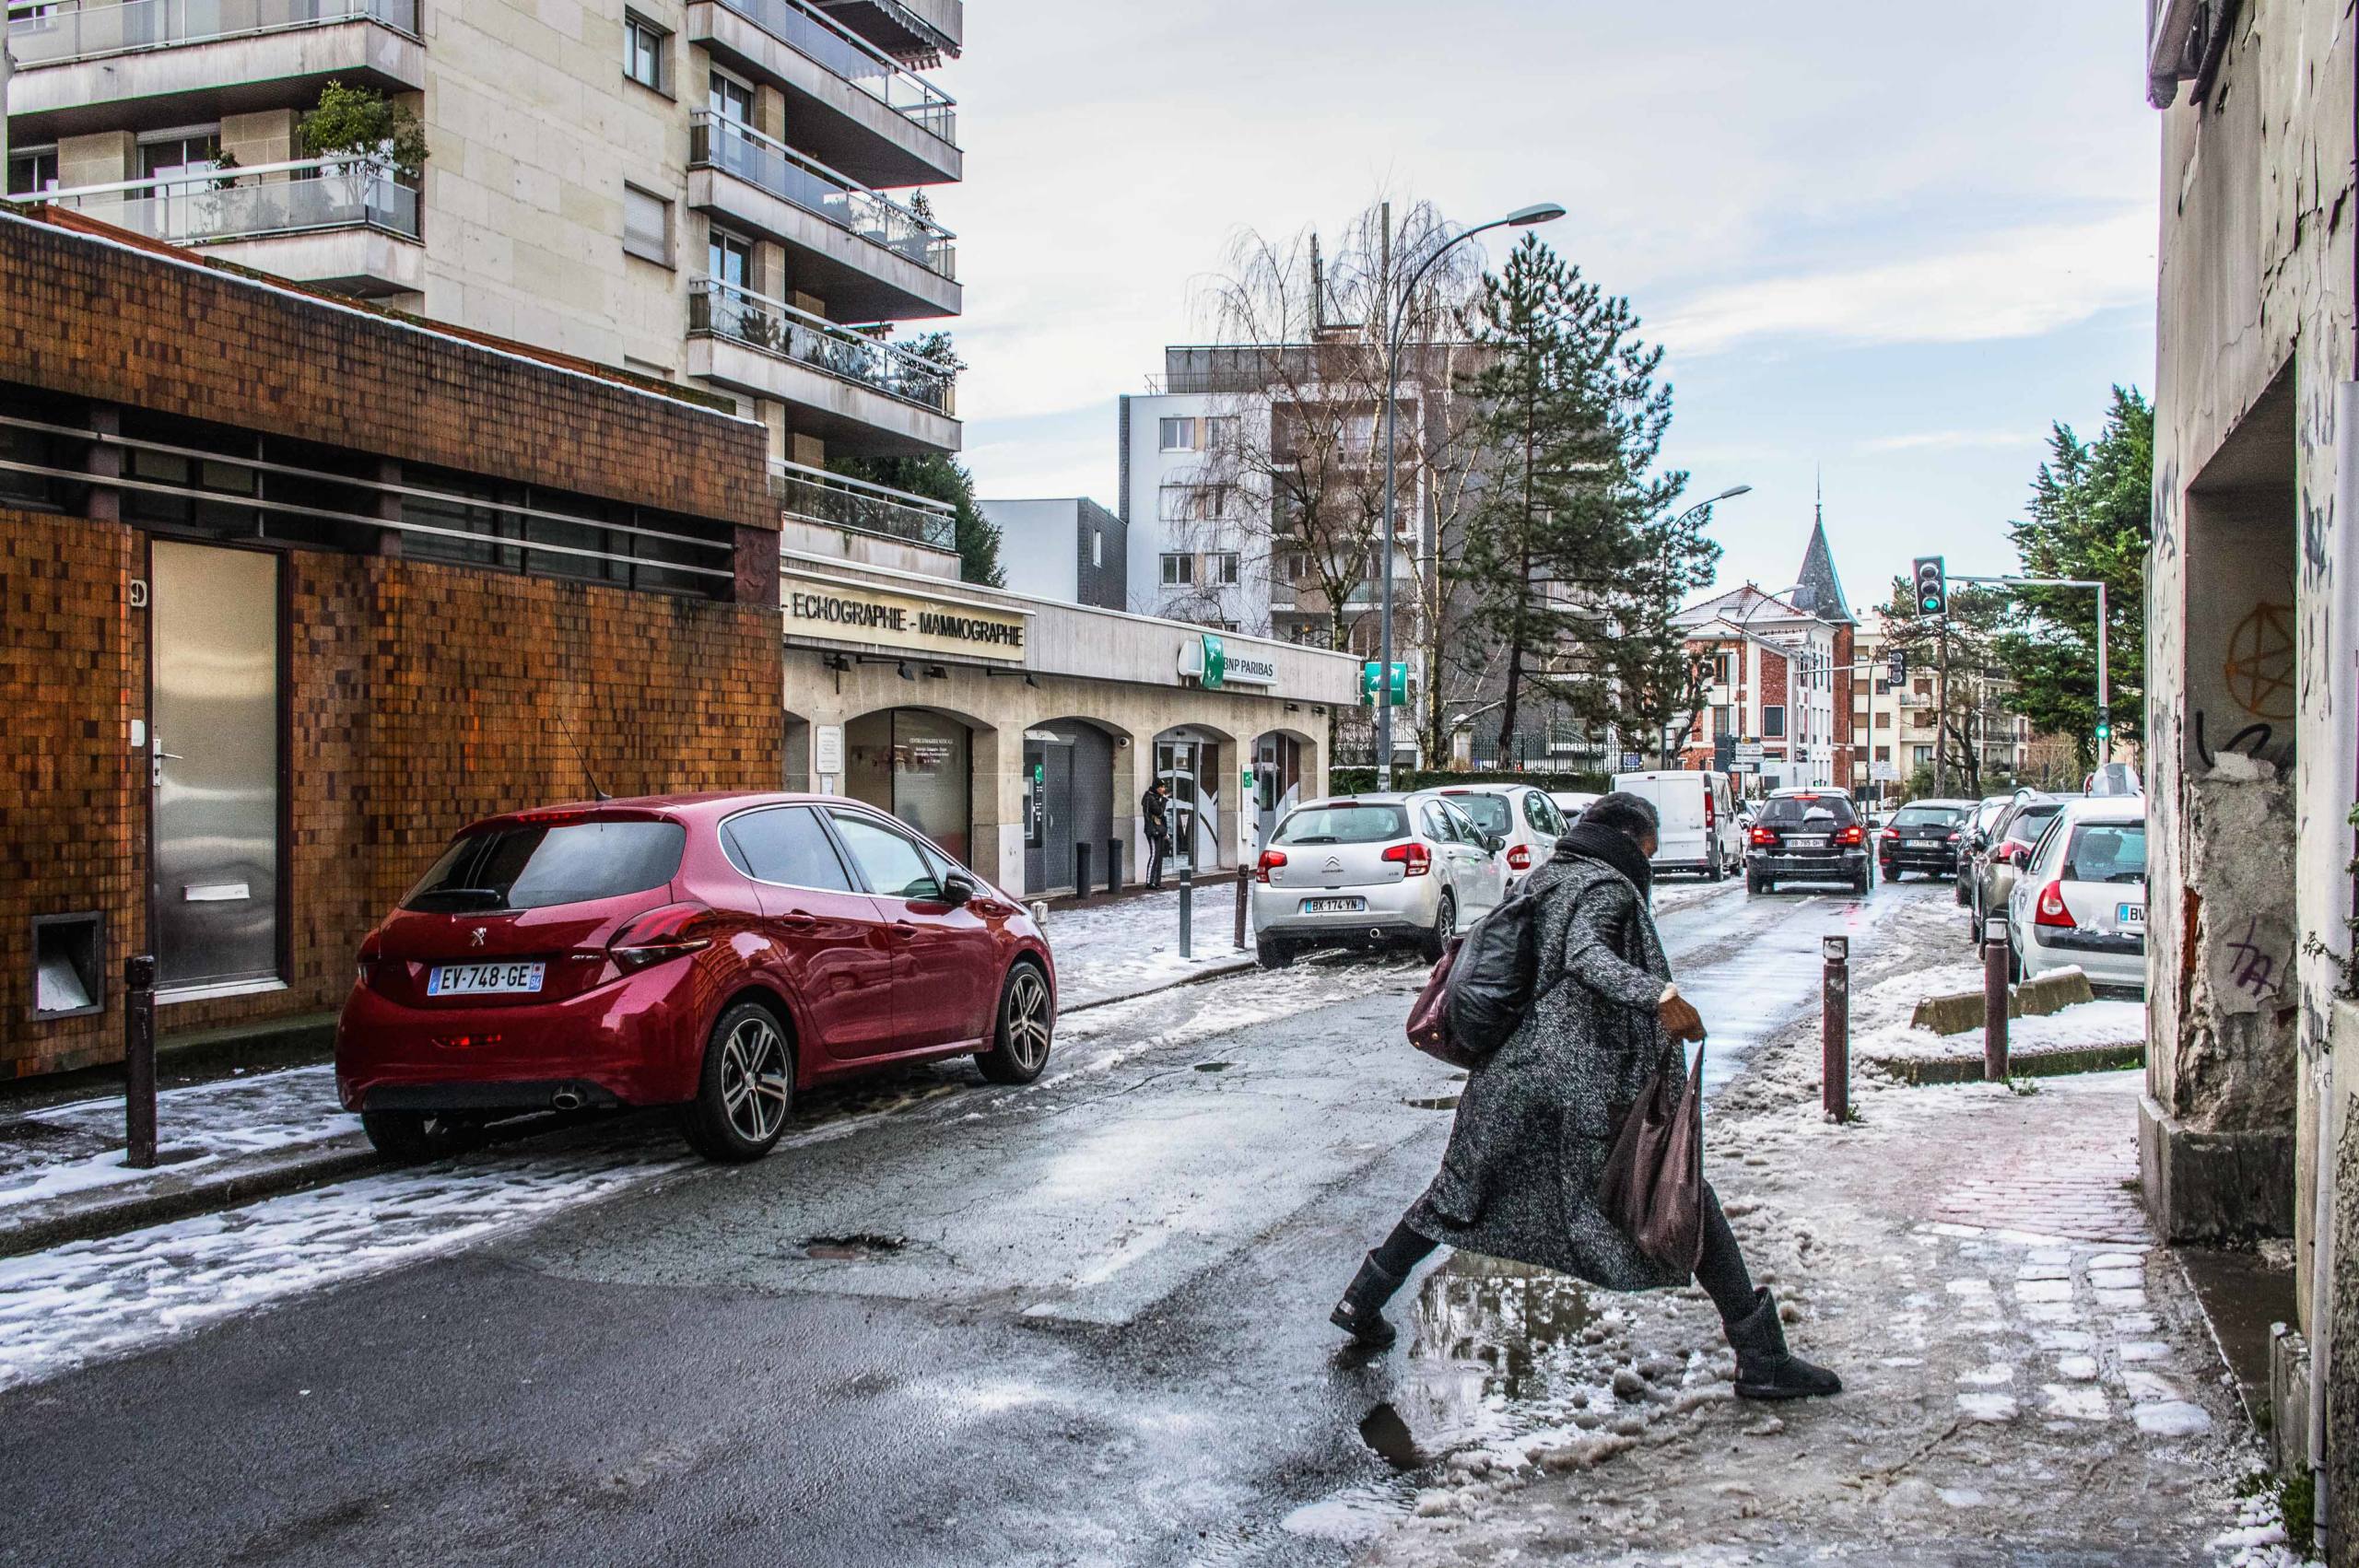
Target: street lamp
{"x": 1522, "y": 218}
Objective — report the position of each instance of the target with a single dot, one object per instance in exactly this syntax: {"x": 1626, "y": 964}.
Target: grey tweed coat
{"x": 1535, "y": 1121}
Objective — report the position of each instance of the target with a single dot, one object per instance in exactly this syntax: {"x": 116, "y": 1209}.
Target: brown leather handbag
{"x": 1653, "y": 1182}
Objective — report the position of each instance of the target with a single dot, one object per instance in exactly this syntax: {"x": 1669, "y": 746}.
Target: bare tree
{"x": 1293, "y": 472}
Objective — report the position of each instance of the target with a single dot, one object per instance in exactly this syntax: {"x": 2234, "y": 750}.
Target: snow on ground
{"x": 1133, "y": 945}
{"x": 88, "y": 1299}
{"x": 2089, "y": 1025}
{"x": 78, "y": 1147}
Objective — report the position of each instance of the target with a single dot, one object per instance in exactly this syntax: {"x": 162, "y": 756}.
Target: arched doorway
{"x": 1068, "y": 806}
{"x": 1279, "y": 759}
{"x": 1192, "y": 759}
{"x": 918, "y": 765}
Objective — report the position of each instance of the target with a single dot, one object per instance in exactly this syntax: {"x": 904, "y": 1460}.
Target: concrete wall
{"x": 2250, "y": 581}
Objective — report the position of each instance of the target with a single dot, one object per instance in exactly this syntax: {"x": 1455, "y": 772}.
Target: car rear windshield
{"x": 1928, "y": 816}
{"x": 2031, "y": 822}
{"x": 533, "y": 865}
{"x": 1490, "y": 812}
{"x": 2106, "y": 851}
{"x": 1790, "y": 811}
{"x": 1343, "y": 824}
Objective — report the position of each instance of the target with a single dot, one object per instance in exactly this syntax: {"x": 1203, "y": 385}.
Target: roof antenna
{"x": 581, "y": 756}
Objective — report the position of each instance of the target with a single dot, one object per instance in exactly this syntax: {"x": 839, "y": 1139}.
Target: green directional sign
{"x": 1400, "y": 684}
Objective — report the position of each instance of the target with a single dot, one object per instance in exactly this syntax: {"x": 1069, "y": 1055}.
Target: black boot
{"x": 1361, "y": 1312}
{"x": 1765, "y": 1369}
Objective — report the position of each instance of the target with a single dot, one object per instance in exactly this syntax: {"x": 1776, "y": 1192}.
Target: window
{"x": 1178, "y": 570}
{"x": 893, "y": 864}
{"x": 1542, "y": 813}
{"x": 31, "y": 170}
{"x": 1883, "y": 720}
{"x": 1883, "y": 753}
{"x": 1294, "y": 566}
{"x": 728, "y": 257}
{"x": 1437, "y": 824}
{"x": 1720, "y": 720}
{"x": 1720, "y": 663}
{"x": 1097, "y": 546}
{"x": 1219, "y": 431}
{"x": 730, "y": 99}
{"x": 534, "y": 865}
{"x": 1924, "y": 757}
{"x": 1773, "y": 721}
{"x": 647, "y": 226}
{"x": 784, "y": 845}
{"x": 1490, "y": 813}
{"x": 1176, "y": 435}
{"x": 1222, "y": 568}
{"x": 180, "y": 152}
{"x": 643, "y": 47}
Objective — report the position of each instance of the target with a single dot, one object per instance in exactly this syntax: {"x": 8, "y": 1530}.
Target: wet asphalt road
{"x": 1082, "y": 1322}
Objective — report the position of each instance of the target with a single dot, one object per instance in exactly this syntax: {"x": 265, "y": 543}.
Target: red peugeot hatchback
{"x": 718, "y": 952}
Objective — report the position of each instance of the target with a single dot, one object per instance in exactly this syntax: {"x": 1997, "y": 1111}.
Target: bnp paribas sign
{"x": 1215, "y": 665}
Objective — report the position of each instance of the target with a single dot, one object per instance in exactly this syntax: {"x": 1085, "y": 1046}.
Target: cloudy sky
{"x": 1888, "y": 240}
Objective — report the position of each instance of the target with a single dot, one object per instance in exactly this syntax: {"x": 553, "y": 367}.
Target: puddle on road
{"x": 1437, "y": 1103}
{"x": 851, "y": 1248}
{"x": 1520, "y": 1322}
{"x": 1384, "y": 1431}
{"x": 1215, "y": 1066}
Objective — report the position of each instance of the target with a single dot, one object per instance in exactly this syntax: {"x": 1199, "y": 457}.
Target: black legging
{"x": 1720, "y": 1270}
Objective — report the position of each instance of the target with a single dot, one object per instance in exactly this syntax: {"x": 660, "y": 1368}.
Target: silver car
{"x": 1368, "y": 869}
{"x": 2011, "y": 840}
{"x": 2081, "y": 900}
{"x": 1524, "y": 818}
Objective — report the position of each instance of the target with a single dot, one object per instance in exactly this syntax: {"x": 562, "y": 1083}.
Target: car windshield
{"x": 2106, "y": 851}
{"x": 534, "y": 865}
{"x": 1343, "y": 824}
{"x": 1794, "y": 810}
{"x": 1928, "y": 816}
{"x": 1489, "y": 812}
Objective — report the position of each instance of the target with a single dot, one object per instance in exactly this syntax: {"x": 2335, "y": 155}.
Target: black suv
{"x": 1806, "y": 835}
{"x": 1923, "y": 835}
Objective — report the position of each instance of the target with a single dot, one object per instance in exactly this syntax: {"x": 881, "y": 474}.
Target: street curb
{"x": 1241, "y": 962}
{"x": 1924, "y": 1070}
{"x": 275, "y": 1178}
{"x": 65, "y": 1219}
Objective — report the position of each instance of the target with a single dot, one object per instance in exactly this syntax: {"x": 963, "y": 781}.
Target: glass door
{"x": 1177, "y": 762}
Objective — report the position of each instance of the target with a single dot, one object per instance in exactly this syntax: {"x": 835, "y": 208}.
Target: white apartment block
{"x": 1197, "y": 552}
{"x": 712, "y": 193}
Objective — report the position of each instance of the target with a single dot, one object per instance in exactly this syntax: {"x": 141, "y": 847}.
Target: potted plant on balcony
{"x": 368, "y": 135}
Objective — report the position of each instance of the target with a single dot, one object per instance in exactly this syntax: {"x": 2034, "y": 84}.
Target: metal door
{"x": 1056, "y": 813}
{"x": 213, "y": 734}
{"x": 1176, "y": 763}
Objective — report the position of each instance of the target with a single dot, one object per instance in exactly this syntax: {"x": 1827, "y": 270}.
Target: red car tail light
{"x": 1892, "y": 833}
{"x": 552, "y": 815}
{"x": 1270, "y": 860}
{"x": 371, "y": 950}
{"x": 1955, "y": 836}
{"x": 1764, "y": 836}
{"x": 2051, "y": 909}
{"x": 1519, "y": 858}
{"x": 465, "y": 1042}
{"x": 1414, "y": 859}
{"x": 657, "y": 935}
{"x": 1851, "y": 835}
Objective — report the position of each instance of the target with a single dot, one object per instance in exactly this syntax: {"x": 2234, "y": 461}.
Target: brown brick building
{"x": 291, "y": 589}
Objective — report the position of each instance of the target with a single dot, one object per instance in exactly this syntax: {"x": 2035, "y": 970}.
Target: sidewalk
{"x": 255, "y": 1134}
{"x": 2028, "y": 1376}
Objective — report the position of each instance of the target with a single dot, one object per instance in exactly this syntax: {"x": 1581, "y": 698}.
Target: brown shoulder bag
{"x": 1653, "y": 1182}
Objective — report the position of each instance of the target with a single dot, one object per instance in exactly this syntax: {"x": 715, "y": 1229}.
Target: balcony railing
{"x": 856, "y": 60}
{"x": 776, "y": 328}
{"x": 832, "y": 500}
{"x": 245, "y": 204}
{"x": 721, "y": 143}
{"x": 52, "y": 34}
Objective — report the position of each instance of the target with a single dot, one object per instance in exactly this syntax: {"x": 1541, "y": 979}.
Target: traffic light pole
{"x": 2105, "y": 672}
{"x": 1941, "y": 713}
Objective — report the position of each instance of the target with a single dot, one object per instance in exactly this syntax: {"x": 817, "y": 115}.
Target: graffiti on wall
{"x": 2258, "y": 672}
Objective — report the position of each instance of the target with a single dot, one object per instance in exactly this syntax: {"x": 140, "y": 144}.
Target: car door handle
{"x": 904, "y": 930}
{"x": 798, "y": 918}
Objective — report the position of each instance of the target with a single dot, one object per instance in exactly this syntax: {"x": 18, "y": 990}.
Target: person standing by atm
{"x": 1155, "y": 810}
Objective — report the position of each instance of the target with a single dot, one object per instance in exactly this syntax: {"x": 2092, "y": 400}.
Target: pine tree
{"x": 1572, "y": 567}
{"x": 2092, "y": 508}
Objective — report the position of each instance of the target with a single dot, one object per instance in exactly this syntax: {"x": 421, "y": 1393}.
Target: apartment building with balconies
{"x": 720, "y": 193}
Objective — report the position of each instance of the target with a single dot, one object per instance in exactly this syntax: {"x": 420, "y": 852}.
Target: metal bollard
{"x": 1187, "y": 911}
{"x": 139, "y": 1061}
{"x": 1994, "y": 1001}
{"x": 1081, "y": 868}
{"x": 1113, "y": 865}
{"x": 1835, "y": 1029}
{"x": 1244, "y": 877}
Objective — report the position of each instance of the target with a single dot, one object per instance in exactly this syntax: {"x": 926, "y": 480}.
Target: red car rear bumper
{"x": 638, "y": 1041}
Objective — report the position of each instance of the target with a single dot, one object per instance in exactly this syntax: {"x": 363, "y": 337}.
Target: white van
{"x": 1698, "y": 831}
